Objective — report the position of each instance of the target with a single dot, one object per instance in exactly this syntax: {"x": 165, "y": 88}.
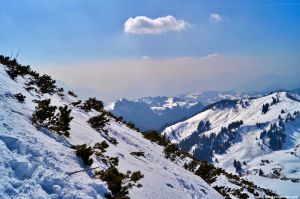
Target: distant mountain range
{"x": 159, "y": 112}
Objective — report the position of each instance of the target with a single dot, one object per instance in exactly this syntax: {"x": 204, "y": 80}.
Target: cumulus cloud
{"x": 215, "y": 18}
{"x": 145, "y": 25}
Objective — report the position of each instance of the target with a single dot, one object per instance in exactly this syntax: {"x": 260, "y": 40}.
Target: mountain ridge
{"x": 243, "y": 130}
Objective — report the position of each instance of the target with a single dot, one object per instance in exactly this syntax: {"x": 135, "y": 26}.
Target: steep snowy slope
{"x": 38, "y": 163}
{"x": 243, "y": 137}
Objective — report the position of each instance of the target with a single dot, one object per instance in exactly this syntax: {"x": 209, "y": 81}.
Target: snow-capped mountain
{"x": 257, "y": 138}
{"x": 53, "y": 145}
{"x": 154, "y": 112}
{"x": 160, "y": 112}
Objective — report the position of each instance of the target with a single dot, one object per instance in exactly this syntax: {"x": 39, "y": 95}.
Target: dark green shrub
{"x": 61, "y": 123}
{"x": 20, "y": 97}
{"x": 14, "y": 69}
{"x": 60, "y": 92}
{"x": 171, "y": 151}
{"x": 131, "y": 125}
{"x": 114, "y": 180}
{"x": 71, "y": 93}
{"x": 44, "y": 113}
{"x": 192, "y": 165}
{"x": 76, "y": 103}
{"x": 46, "y": 84}
{"x": 113, "y": 140}
{"x": 136, "y": 176}
{"x": 154, "y": 136}
{"x": 92, "y": 103}
{"x": 113, "y": 161}
{"x": 207, "y": 172}
{"x": 119, "y": 183}
{"x": 101, "y": 146}
{"x": 6, "y": 61}
{"x": 84, "y": 153}
{"x": 138, "y": 154}
{"x": 98, "y": 122}
{"x": 265, "y": 108}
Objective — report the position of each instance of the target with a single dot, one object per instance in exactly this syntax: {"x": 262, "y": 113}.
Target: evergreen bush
{"x": 61, "y": 123}
{"x": 84, "y": 153}
{"x": 98, "y": 122}
{"x": 46, "y": 84}
{"x": 44, "y": 113}
{"x": 20, "y": 97}
{"x": 92, "y": 103}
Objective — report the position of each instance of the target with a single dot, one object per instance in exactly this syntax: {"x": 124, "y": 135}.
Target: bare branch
{"x": 87, "y": 169}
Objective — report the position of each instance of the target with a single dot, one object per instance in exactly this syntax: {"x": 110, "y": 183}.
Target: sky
{"x": 116, "y": 48}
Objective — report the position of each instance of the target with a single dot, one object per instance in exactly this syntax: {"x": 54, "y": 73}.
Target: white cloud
{"x": 215, "y": 18}
{"x": 213, "y": 55}
{"x": 146, "y": 57}
{"x": 145, "y": 25}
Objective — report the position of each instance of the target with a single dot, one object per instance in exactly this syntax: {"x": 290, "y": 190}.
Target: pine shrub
{"x": 171, "y": 151}
{"x": 61, "y": 123}
{"x": 265, "y": 108}
{"x": 84, "y": 153}
{"x": 20, "y": 97}
{"x": 119, "y": 183}
{"x": 71, "y": 93}
{"x": 44, "y": 113}
{"x": 46, "y": 84}
{"x": 98, "y": 122}
{"x": 93, "y": 103}
{"x": 154, "y": 136}
{"x": 101, "y": 146}
{"x": 207, "y": 172}
{"x": 138, "y": 154}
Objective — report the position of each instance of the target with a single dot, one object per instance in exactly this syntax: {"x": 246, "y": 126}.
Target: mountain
{"x": 209, "y": 97}
{"x": 160, "y": 112}
{"x": 154, "y": 112}
{"x": 257, "y": 138}
{"x": 53, "y": 145}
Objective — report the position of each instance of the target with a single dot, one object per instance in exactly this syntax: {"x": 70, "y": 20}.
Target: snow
{"x": 284, "y": 188}
{"x": 248, "y": 147}
{"x": 154, "y": 112}
{"x": 35, "y": 164}
{"x": 158, "y": 112}
{"x": 221, "y": 117}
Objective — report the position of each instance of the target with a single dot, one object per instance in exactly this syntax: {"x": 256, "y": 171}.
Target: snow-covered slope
{"x": 271, "y": 159}
{"x": 154, "y": 112}
{"x": 37, "y": 163}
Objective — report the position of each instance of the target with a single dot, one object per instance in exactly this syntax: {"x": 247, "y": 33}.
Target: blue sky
{"x": 56, "y": 35}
